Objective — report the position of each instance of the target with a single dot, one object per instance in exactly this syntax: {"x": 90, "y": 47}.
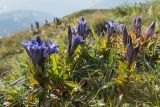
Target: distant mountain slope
{"x": 107, "y": 4}
{"x": 16, "y": 21}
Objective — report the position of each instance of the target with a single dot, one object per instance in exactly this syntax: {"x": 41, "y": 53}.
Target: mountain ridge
{"x": 16, "y": 21}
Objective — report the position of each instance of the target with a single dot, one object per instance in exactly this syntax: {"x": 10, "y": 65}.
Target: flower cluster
{"x": 131, "y": 53}
{"x": 111, "y": 26}
{"x": 82, "y": 27}
{"x": 39, "y": 50}
{"x": 79, "y": 34}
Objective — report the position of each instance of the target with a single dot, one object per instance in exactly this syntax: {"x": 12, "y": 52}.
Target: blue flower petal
{"x": 38, "y": 50}
{"x": 77, "y": 40}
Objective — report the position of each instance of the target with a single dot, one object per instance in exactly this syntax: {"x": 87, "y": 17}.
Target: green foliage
{"x": 96, "y": 75}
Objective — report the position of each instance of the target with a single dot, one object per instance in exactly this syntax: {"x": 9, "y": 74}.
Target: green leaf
{"x": 94, "y": 33}
{"x": 109, "y": 84}
{"x": 72, "y": 84}
{"x": 111, "y": 57}
{"x": 54, "y": 63}
{"x": 123, "y": 65}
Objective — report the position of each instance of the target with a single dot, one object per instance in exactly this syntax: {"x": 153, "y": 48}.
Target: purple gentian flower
{"x": 69, "y": 39}
{"x": 69, "y": 35}
{"x": 39, "y": 50}
{"x": 75, "y": 30}
{"x": 138, "y": 22}
{"x": 78, "y": 33}
{"x": 131, "y": 53}
{"x": 137, "y": 25}
{"x": 77, "y": 40}
{"x": 111, "y": 26}
{"x": 120, "y": 27}
{"x": 125, "y": 35}
{"x": 150, "y": 30}
{"x": 82, "y": 27}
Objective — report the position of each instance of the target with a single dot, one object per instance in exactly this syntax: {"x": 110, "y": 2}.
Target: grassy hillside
{"x": 97, "y": 74}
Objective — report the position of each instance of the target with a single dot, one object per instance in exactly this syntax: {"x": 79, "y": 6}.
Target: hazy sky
{"x": 55, "y": 7}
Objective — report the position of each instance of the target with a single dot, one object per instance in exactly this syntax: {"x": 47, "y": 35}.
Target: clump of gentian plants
{"x": 38, "y": 52}
{"x": 142, "y": 39}
{"x": 46, "y": 80}
{"x": 108, "y": 82}
{"x": 78, "y": 33}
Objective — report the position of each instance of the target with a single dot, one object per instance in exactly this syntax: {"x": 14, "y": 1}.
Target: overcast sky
{"x": 56, "y": 7}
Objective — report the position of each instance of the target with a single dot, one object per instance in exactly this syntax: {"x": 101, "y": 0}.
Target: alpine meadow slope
{"x": 98, "y": 57}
